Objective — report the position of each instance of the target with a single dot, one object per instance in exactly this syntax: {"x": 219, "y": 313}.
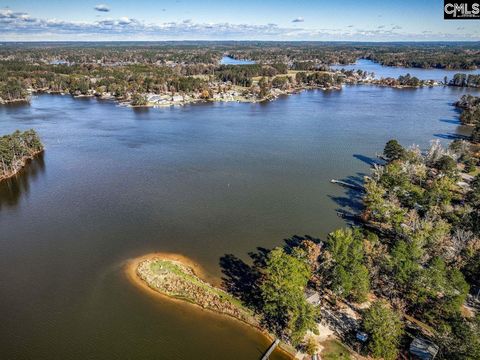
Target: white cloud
{"x": 22, "y": 27}
{"x": 298, "y": 20}
{"x": 9, "y": 14}
{"x": 125, "y": 20}
{"x": 102, "y": 8}
{"x": 20, "y": 23}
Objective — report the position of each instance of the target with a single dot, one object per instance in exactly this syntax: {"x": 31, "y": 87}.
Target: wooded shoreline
{"x": 22, "y": 163}
{"x": 16, "y": 150}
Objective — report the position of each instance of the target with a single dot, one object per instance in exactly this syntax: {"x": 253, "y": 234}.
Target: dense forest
{"x": 16, "y": 149}
{"x": 297, "y": 55}
{"x": 120, "y": 81}
{"x": 463, "y": 80}
{"x": 434, "y": 55}
{"x": 242, "y": 75}
{"x": 12, "y": 89}
{"x": 425, "y": 246}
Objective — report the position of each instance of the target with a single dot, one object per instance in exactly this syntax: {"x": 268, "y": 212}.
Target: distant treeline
{"x": 321, "y": 79}
{"x": 422, "y": 55}
{"x": 464, "y": 80}
{"x": 440, "y": 56}
{"x": 242, "y": 75}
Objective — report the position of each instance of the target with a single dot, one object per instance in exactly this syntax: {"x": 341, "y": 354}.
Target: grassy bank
{"x": 178, "y": 280}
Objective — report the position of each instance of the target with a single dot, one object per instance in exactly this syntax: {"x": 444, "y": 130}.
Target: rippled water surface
{"x": 203, "y": 181}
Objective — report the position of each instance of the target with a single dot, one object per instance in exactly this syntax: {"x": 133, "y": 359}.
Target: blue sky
{"x": 400, "y": 20}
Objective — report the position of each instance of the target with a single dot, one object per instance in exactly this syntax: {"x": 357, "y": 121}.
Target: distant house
{"x": 423, "y": 349}
{"x": 467, "y": 177}
{"x": 153, "y": 98}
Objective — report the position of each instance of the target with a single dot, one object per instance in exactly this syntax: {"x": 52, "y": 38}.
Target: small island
{"x": 16, "y": 150}
{"x": 171, "y": 276}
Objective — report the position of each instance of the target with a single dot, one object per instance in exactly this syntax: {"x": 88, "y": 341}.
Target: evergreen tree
{"x": 385, "y": 329}
{"x": 282, "y": 288}
{"x": 476, "y": 134}
{"x": 349, "y": 275}
{"x": 393, "y": 150}
{"x": 404, "y": 263}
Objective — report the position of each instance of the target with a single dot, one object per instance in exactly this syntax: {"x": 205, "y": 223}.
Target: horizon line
{"x": 231, "y": 40}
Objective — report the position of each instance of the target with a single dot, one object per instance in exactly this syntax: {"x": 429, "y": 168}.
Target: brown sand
{"x": 131, "y": 274}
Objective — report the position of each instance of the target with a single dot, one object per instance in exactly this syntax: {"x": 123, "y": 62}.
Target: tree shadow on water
{"x": 368, "y": 159}
{"x": 242, "y": 280}
{"x": 12, "y": 189}
{"x": 451, "y": 121}
{"x": 296, "y": 241}
{"x": 351, "y": 202}
{"x": 451, "y": 136}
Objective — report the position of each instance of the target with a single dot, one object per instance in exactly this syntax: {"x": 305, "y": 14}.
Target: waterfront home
{"x": 423, "y": 349}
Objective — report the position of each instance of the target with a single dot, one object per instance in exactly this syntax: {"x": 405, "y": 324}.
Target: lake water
{"x": 381, "y": 71}
{"x": 201, "y": 180}
{"x": 228, "y": 60}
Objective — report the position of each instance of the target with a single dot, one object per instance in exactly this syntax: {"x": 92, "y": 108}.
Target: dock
{"x": 346, "y": 184}
{"x": 382, "y": 157}
{"x": 270, "y": 350}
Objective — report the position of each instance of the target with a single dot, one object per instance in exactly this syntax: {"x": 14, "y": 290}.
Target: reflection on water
{"x": 12, "y": 189}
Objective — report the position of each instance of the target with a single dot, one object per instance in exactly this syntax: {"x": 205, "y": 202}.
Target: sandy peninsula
{"x": 175, "y": 277}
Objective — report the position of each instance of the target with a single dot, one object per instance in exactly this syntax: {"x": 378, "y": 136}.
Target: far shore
{"x": 188, "y": 100}
{"x": 131, "y": 272}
